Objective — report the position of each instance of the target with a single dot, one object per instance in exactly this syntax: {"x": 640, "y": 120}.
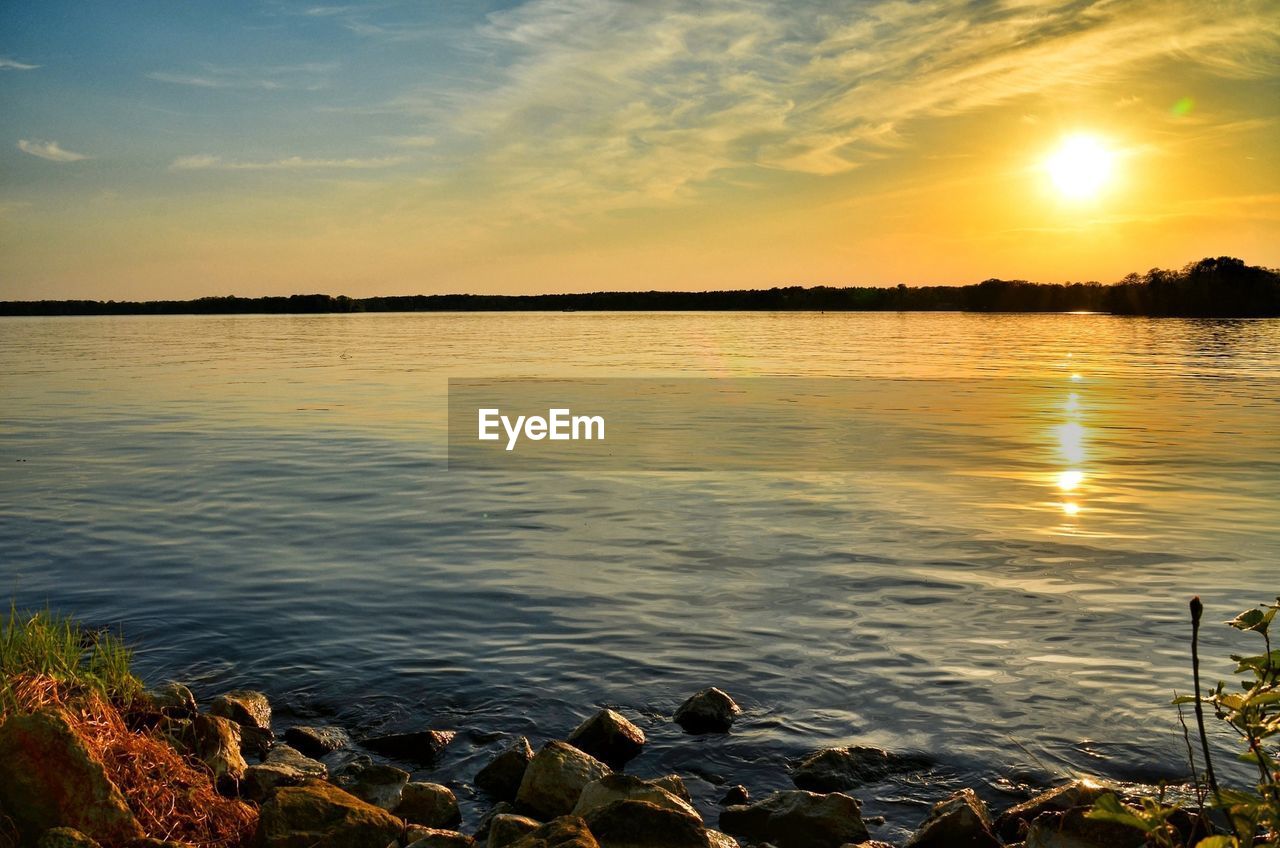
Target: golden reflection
{"x": 1070, "y": 507}
{"x": 1070, "y": 480}
{"x": 1070, "y": 436}
{"x": 1071, "y": 442}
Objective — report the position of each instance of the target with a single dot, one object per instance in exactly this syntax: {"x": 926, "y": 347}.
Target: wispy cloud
{"x": 14, "y": 65}
{"x": 303, "y": 77}
{"x": 50, "y": 150}
{"x": 205, "y": 162}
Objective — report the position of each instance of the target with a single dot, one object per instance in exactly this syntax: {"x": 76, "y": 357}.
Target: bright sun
{"x": 1081, "y": 167}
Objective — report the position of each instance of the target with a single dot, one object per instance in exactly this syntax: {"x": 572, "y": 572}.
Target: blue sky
{"x": 185, "y": 148}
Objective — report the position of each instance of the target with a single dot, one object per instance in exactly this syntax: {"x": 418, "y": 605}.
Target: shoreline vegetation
{"x": 90, "y": 758}
{"x": 1222, "y": 287}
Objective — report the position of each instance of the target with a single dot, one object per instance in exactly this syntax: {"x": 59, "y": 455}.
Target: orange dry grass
{"x": 173, "y": 798}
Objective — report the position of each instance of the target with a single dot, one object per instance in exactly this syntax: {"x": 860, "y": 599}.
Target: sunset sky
{"x": 180, "y": 149}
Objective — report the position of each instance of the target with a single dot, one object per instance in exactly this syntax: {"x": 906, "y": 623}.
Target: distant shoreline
{"x": 1211, "y": 288}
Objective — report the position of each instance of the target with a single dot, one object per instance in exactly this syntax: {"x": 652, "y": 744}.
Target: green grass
{"x": 49, "y": 645}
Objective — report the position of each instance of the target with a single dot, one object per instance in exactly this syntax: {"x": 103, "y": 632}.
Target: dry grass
{"x": 173, "y": 798}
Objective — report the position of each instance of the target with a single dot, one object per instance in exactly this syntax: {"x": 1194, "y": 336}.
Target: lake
{"x": 264, "y": 501}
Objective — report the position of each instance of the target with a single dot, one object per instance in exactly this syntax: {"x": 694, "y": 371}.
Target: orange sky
{"x": 570, "y": 145}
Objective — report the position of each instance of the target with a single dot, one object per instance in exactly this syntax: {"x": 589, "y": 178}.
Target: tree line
{"x": 1223, "y": 287}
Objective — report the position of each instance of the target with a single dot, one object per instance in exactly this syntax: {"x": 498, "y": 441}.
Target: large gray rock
{"x": 609, "y": 737}
{"x": 563, "y": 832}
{"x": 842, "y": 769}
{"x": 502, "y": 808}
{"x": 621, "y": 787}
{"x": 320, "y": 815}
{"x": 48, "y": 779}
{"x": 429, "y": 804}
{"x": 708, "y": 711}
{"x": 555, "y": 778}
{"x": 507, "y": 828}
{"x": 501, "y": 777}
{"x": 961, "y": 821}
{"x": 798, "y": 819}
{"x": 287, "y": 755}
{"x": 317, "y": 741}
{"x": 379, "y": 785}
{"x": 422, "y": 746}
{"x": 284, "y": 766}
{"x": 440, "y": 838}
{"x": 639, "y": 824}
{"x": 245, "y": 707}
{"x": 1013, "y": 822}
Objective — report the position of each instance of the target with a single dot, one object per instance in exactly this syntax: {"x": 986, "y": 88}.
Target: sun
{"x": 1081, "y": 167}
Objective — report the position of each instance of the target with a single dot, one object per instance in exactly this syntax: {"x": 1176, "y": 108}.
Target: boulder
{"x": 214, "y": 741}
{"x": 49, "y": 779}
{"x": 674, "y": 784}
{"x": 716, "y": 839}
{"x": 735, "y": 796}
{"x": 501, "y": 777}
{"x": 172, "y": 699}
{"x": 639, "y": 824}
{"x": 842, "y": 769}
{"x": 1012, "y": 823}
{"x": 502, "y": 808}
{"x": 317, "y": 741}
{"x": 438, "y": 838}
{"x": 555, "y": 778}
{"x": 1071, "y": 829}
{"x": 429, "y": 804}
{"x": 708, "y": 711}
{"x": 622, "y": 787}
{"x": 285, "y": 766}
{"x": 506, "y": 828}
{"x": 961, "y": 821}
{"x": 420, "y": 747}
{"x": 564, "y": 832}
{"x": 65, "y": 837}
{"x": 377, "y": 784}
{"x": 245, "y": 707}
{"x": 320, "y": 815}
{"x": 798, "y": 819}
{"x": 609, "y": 737}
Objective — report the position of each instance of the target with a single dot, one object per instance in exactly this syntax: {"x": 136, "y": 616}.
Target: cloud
{"x": 205, "y": 162}
{"x": 311, "y": 76}
{"x": 14, "y": 65}
{"x": 50, "y": 150}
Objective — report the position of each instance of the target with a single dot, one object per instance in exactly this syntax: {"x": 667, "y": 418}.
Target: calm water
{"x": 263, "y": 501}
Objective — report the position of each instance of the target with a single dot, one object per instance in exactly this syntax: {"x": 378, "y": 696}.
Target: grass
{"x": 52, "y": 662}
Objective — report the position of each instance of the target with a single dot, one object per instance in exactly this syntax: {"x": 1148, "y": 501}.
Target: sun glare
{"x": 1081, "y": 167}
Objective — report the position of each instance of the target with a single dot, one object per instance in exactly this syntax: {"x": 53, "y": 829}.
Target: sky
{"x": 177, "y": 149}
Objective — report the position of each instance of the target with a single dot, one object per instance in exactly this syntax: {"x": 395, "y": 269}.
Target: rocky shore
{"x": 317, "y": 787}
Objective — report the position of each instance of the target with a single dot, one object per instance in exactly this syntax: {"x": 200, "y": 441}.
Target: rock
{"x": 842, "y": 769}
{"x": 555, "y": 778}
{"x": 622, "y": 787}
{"x": 564, "y": 832}
{"x": 317, "y": 741}
{"x": 871, "y": 843}
{"x": 214, "y": 741}
{"x": 708, "y": 711}
{"x": 65, "y": 837}
{"x": 284, "y": 767}
{"x": 377, "y": 784}
{"x": 421, "y": 747}
{"x": 320, "y": 815}
{"x": 507, "y": 828}
{"x": 961, "y": 821}
{"x": 49, "y": 779}
{"x": 255, "y": 742}
{"x": 501, "y": 777}
{"x": 429, "y": 804}
{"x": 1071, "y": 829}
{"x": 1013, "y": 822}
{"x": 716, "y": 839}
{"x": 172, "y": 699}
{"x": 639, "y": 824}
{"x": 795, "y": 818}
{"x": 609, "y": 737}
{"x": 438, "y": 838}
{"x": 736, "y": 795}
{"x": 245, "y": 707}
{"x": 674, "y": 784}
{"x": 501, "y": 808}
